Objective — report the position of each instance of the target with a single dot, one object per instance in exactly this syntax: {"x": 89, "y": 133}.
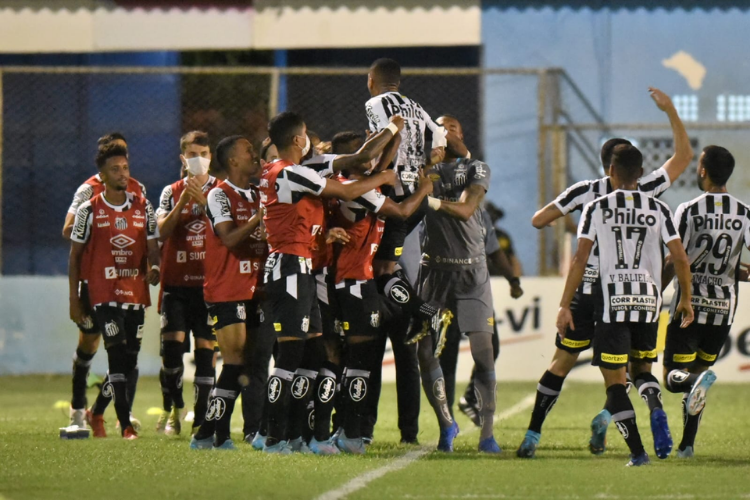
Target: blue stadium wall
{"x": 613, "y": 56}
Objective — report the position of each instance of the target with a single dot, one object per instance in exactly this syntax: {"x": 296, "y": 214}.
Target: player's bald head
{"x": 385, "y": 72}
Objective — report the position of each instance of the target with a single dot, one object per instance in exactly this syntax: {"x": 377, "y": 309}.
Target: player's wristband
{"x": 433, "y": 203}
{"x": 393, "y": 128}
{"x": 514, "y": 282}
{"x": 155, "y": 267}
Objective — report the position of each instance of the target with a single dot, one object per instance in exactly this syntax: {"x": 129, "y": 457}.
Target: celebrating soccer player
{"x": 714, "y": 228}
{"x": 587, "y": 298}
{"x": 115, "y": 238}
{"x": 294, "y": 216}
{"x": 182, "y": 229}
{"x": 235, "y": 252}
{"x": 630, "y": 228}
{"x": 455, "y": 273}
{"x": 89, "y": 332}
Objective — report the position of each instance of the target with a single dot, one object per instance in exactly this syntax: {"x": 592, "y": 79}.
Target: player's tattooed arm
{"x": 575, "y": 276}
{"x": 389, "y": 153}
{"x": 406, "y": 208}
{"x": 360, "y": 161}
{"x": 682, "y": 269}
{"x": 465, "y": 207}
{"x": 154, "y": 259}
{"x": 683, "y": 152}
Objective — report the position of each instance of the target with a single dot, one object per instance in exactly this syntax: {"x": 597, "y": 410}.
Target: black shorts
{"x": 121, "y": 325}
{"x": 89, "y": 325}
{"x": 291, "y": 306}
{"x": 617, "y": 343}
{"x": 697, "y": 343}
{"x": 584, "y": 309}
{"x": 183, "y": 310}
{"x": 395, "y": 232}
{"x": 361, "y": 308}
{"x": 329, "y": 310}
{"x": 224, "y": 314}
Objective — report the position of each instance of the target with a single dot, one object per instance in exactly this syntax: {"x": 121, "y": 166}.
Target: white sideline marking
{"x": 363, "y": 480}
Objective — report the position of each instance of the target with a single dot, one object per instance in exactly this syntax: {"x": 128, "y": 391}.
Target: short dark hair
{"x": 197, "y": 137}
{"x": 719, "y": 164}
{"x": 608, "y": 147}
{"x": 264, "y": 149}
{"x": 224, "y": 151}
{"x": 342, "y": 139}
{"x": 114, "y": 136}
{"x": 386, "y": 71}
{"x": 313, "y": 135}
{"x": 283, "y": 127}
{"x": 628, "y": 162}
{"x": 108, "y": 151}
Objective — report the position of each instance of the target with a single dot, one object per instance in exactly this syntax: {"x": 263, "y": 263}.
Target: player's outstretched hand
{"x": 662, "y": 100}
{"x": 685, "y": 308}
{"x": 516, "y": 291}
{"x": 398, "y": 121}
{"x": 152, "y": 277}
{"x": 564, "y": 320}
{"x": 76, "y": 311}
{"x": 337, "y": 235}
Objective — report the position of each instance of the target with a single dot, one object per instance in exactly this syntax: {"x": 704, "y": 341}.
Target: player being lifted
{"x": 587, "y": 297}
{"x": 714, "y": 228}
{"x": 455, "y": 273}
{"x": 630, "y": 228}
{"x": 116, "y": 233}
{"x": 89, "y": 333}
{"x": 235, "y": 252}
{"x": 294, "y": 215}
{"x": 421, "y": 139}
{"x": 182, "y": 229}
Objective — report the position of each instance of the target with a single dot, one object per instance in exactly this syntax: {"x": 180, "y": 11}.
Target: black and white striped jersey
{"x": 416, "y": 136}
{"x": 714, "y": 227}
{"x": 630, "y": 228}
{"x": 579, "y": 194}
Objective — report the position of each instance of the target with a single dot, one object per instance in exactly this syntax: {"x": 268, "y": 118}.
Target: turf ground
{"x": 35, "y": 463}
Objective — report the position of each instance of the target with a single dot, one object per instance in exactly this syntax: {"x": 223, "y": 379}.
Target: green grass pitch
{"x": 35, "y": 463}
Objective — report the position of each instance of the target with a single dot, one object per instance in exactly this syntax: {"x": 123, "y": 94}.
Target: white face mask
{"x": 197, "y": 165}
{"x": 307, "y": 145}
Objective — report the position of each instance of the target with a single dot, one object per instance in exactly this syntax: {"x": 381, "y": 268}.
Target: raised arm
{"x": 465, "y": 207}
{"x": 348, "y": 192}
{"x": 683, "y": 152}
{"x": 407, "y": 207}
{"x": 370, "y": 149}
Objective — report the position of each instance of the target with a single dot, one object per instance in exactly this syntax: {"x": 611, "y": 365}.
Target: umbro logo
{"x": 197, "y": 226}
{"x": 121, "y": 241}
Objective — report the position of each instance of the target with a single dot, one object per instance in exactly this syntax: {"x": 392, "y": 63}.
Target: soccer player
{"x": 422, "y": 143}
{"x": 115, "y": 235}
{"x": 585, "y": 302}
{"x": 454, "y": 273}
{"x": 362, "y": 309}
{"x": 294, "y": 216}
{"x": 630, "y": 228}
{"x": 89, "y": 334}
{"x": 182, "y": 229}
{"x": 235, "y": 252}
{"x": 713, "y": 227}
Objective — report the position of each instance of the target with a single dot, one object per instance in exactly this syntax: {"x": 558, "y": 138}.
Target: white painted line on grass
{"x": 363, "y": 480}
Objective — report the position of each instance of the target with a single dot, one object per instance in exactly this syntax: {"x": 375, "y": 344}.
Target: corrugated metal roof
{"x": 618, "y": 5}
